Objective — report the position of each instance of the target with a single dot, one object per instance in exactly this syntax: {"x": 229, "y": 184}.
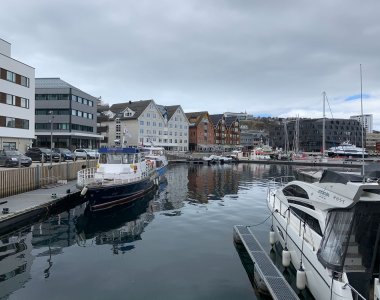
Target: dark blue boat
{"x": 122, "y": 175}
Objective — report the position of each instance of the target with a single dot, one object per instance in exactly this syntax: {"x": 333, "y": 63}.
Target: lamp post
{"x": 51, "y": 137}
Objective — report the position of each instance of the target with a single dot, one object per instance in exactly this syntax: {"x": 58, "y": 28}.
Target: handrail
{"x": 357, "y": 294}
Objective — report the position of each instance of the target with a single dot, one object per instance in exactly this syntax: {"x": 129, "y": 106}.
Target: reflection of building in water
{"x": 117, "y": 229}
{"x": 15, "y": 262}
{"x": 171, "y": 196}
{"x": 212, "y": 182}
{"x": 58, "y": 231}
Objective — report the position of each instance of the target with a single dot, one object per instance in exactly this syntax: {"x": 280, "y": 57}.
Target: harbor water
{"x": 174, "y": 244}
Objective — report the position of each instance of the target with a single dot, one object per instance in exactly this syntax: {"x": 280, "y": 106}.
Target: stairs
{"x": 354, "y": 260}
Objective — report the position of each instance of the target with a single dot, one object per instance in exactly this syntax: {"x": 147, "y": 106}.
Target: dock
{"x": 275, "y": 282}
{"x": 25, "y": 208}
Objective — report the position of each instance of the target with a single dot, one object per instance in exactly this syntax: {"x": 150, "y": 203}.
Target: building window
{"x": 10, "y": 99}
{"x": 10, "y": 122}
{"x": 141, "y": 122}
{"x": 11, "y": 76}
{"x": 24, "y": 102}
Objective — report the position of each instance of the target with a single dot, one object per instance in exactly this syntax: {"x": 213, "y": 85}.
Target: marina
{"x": 187, "y": 189}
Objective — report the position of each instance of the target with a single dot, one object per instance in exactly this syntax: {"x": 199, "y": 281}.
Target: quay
{"x": 267, "y": 272}
{"x": 23, "y": 209}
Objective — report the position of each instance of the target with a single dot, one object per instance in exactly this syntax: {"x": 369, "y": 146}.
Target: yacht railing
{"x": 357, "y": 295}
{"x": 87, "y": 176}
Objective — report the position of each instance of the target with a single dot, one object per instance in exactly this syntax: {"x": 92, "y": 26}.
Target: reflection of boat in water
{"x": 117, "y": 227}
{"x": 121, "y": 176}
{"x": 332, "y": 231}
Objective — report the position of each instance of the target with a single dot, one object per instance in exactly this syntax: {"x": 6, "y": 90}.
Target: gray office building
{"x": 66, "y": 114}
{"x": 310, "y": 132}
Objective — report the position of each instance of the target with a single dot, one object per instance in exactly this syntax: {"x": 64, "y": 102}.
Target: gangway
{"x": 275, "y": 282}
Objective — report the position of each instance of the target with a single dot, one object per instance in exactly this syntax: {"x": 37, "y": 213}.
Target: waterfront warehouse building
{"x": 16, "y": 101}
{"x": 144, "y": 123}
{"x": 66, "y": 114}
{"x": 310, "y": 132}
{"x": 201, "y": 131}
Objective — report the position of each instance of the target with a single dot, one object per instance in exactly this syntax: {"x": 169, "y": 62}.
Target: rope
{"x": 259, "y": 223}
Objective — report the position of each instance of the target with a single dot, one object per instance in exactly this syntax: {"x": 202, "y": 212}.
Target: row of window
{"x": 63, "y": 126}
{"x": 65, "y": 97}
{"x": 65, "y": 112}
{"x": 82, "y": 114}
{"x": 148, "y": 140}
{"x": 14, "y": 122}
{"x": 14, "y": 77}
{"x": 14, "y": 100}
{"x": 153, "y": 123}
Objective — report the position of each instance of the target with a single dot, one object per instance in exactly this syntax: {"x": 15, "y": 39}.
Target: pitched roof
{"x": 216, "y": 118}
{"x": 230, "y": 120}
{"x": 137, "y": 106}
{"x": 171, "y": 110}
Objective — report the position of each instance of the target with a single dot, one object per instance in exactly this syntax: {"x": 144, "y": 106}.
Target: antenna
{"x": 324, "y": 126}
{"x": 362, "y": 122}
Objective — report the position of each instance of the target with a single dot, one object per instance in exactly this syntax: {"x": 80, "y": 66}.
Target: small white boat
{"x": 157, "y": 157}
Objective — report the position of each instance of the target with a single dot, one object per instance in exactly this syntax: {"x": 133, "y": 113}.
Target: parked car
{"x": 66, "y": 154}
{"x": 86, "y": 154}
{"x": 14, "y": 158}
{"x": 42, "y": 154}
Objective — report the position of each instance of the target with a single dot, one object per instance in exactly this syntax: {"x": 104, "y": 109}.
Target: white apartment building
{"x": 139, "y": 123}
{"x": 17, "y": 101}
{"x": 367, "y": 121}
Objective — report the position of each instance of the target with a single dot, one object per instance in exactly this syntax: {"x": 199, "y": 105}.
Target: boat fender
{"x": 272, "y": 237}
{"x": 301, "y": 279}
{"x": 135, "y": 168}
{"x": 286, "y": 257}
{"x": 84, "y": 191}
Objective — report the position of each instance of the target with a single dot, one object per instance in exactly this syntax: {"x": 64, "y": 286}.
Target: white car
{"x": 86, "y": 154}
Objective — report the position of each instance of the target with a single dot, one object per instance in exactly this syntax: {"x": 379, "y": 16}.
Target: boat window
{"x": 295, "y": 191}
{"x": 301, "y": 203}
{"x": 312, "y": 222}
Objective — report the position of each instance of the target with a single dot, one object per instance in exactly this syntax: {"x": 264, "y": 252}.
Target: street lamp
{"x": 51, "y": 137}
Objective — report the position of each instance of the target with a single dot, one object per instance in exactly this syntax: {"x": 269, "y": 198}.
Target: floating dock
{"x": 275, "y": 282}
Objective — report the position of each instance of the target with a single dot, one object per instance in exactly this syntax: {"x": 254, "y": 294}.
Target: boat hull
{"x": 101, "y": 198}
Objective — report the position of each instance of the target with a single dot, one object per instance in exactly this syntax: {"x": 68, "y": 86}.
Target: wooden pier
{"x": 275, "y": 282}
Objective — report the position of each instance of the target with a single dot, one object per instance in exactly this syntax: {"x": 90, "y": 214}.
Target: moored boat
{"x": 122, "y": 175}
{"x": 330, "y": 231}
{"x": 157, "y": 157}
{"x": 347, "y": 149}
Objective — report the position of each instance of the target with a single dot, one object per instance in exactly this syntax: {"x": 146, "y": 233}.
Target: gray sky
{"x": 268, "y": 58}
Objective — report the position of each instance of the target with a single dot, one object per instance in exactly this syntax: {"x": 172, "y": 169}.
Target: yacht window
{"x": 295, "y": 191}
{"x": 312, "y": 222}
{"x": 301, "y": 204}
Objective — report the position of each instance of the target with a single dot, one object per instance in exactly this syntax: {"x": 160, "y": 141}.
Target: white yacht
{"x": 347, "y": 149}
{"x": 330, "y": 229}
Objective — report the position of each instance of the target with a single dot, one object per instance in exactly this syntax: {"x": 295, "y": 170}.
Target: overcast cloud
{"x": 268, "y": 58}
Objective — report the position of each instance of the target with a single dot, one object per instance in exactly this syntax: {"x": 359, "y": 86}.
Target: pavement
{"x": 26, "y": 207}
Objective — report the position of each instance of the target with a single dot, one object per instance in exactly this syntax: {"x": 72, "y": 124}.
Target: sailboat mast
{"x": 324, "y": 126}
{"x": 361, "y": 104}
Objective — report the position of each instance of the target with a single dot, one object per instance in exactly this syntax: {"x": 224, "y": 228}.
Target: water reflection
{"x": 32, "y": 259}
{"x": 15, "y": 261}
{"x": 117, "y": 227}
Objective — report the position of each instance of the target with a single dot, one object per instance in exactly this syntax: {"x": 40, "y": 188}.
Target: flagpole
{"x": 362, "y": 122}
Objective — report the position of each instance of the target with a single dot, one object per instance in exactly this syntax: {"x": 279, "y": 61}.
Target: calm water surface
{"x": 175, "y": 244}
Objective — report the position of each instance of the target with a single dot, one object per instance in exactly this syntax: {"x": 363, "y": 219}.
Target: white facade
{"x": 367, "y": 121}
{"x": 17, "y": 101}
{"x": 176, "y": 133}
{"x": 151, "y": 127}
